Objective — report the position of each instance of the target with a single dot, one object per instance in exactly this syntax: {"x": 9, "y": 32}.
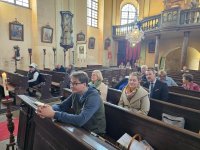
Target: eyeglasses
{"x": 74, "y": 83}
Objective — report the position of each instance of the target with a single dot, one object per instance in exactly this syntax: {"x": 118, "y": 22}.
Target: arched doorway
{"x": 173, "y": 59}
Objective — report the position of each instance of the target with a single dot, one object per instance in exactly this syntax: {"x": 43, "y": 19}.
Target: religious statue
{"x": 194, "y": 4}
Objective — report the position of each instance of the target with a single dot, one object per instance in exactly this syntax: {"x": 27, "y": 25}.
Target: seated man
{"x": 164, "y": 78}
{"x": 157, "y": 89}
{"x": 143, "y": 74}
{"x": 33, "y": 75}
{"x": 84, "y": 102}
{"x": 59, "y": 68}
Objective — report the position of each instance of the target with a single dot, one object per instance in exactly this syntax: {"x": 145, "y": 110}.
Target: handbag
{"x": 173, "y": 120}
{"x": 126, "y": 142}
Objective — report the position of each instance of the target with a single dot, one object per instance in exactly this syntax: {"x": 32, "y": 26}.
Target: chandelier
{"x": 135, "y": 36}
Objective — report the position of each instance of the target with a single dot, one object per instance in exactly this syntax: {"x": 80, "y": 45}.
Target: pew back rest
{"x": 158, "y": 134}
{"x": 113, "y": 96}
{"x": 184, "y": 100}
{"x": 181, "y": 90}
{"x": 191, "y": 116}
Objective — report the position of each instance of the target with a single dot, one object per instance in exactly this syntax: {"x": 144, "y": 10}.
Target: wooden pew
{"x": 59, "y": 80}
{"x": 184, "y": 100}
{"x": 43, "y": 88}
{"x": 18, "y": 84}
{"x": 39, "y": 134}
{"x": 157, "y": 108}
{"x": 181, "y": 90}
{"x": 158, "y": 134}
{"x": 35, "y": 133}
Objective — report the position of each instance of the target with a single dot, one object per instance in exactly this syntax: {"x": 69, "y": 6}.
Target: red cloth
{"x": 4, "y": 133}
{"x": 132, "y": 53}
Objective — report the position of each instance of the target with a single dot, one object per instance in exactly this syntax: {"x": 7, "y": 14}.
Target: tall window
{"x": 128, "y": 14}
{"x": 92, "y": 13}
{"x": 24, "y": 3}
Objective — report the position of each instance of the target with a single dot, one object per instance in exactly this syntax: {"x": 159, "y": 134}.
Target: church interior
{"x": 128, "y": 46}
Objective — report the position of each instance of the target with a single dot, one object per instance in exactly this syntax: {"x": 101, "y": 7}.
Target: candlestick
{"x": 5, "y": 85}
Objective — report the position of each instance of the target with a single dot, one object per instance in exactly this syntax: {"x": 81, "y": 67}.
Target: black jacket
{"x": 160, "y": 90}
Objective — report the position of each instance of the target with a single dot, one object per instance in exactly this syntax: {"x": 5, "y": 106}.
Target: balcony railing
{"x": 190, "y": 16}
{"x": 168, "y": 18}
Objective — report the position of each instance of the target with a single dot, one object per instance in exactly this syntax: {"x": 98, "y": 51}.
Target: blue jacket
{"x": 87, "y": 111}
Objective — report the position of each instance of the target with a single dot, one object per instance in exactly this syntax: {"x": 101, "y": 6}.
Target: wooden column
{"x": 184, "y": 48}
{"x": 157, "y": 51}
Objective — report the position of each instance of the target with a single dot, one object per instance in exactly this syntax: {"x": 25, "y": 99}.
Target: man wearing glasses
{"x": 85, "y": 106}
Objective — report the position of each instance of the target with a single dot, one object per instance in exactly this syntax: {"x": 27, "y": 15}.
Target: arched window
{"x": 24, "y": 3}
{"x": 92, "y": 13}
{"x": 128, "y": 14}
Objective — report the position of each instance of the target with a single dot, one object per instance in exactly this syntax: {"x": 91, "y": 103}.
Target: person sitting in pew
{"x": 134, "y": 97}
{"x": 188, "y": 83}
{"x": 83, "y": 108}
{"x": 157, "y": 89}
{"x": 59, "y": 68}
{"x": 121, "y": 66}
{"x": 97, "y": 82}
{"x": 185, "y": 69}
{"x": 33, "y": 75}
{"x": 164, "y": 78}
{"x": 143, "y": 73}
{"x": 70, "y": 69}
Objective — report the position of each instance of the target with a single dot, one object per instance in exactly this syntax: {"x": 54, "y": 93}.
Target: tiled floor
{"x": 3, "y": 144}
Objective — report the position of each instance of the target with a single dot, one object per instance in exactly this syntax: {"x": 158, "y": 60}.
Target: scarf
{"x": 95, "y": 84}
{"x": 130, "y": 92}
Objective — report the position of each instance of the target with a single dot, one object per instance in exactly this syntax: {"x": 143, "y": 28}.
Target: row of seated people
{"x": 187, "y": 79}
{"x": 84, "y": 107}
{"x": 60, "y": 68}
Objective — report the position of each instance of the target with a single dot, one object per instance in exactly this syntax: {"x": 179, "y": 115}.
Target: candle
{"x": 5, "y": 85}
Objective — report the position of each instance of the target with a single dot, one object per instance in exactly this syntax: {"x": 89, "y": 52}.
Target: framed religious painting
{"x": 107, "y": 43}
{"x": 16, "y": 31}
{"x": 47, "y": 34}
{"x": 80, "y": 37}
{"x": 151, "y": 46}
{"x": 91, "y": 43}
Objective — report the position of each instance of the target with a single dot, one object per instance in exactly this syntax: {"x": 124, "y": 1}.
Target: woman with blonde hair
{"x": 134, "y": 97}
{"x": 96, "y": 81}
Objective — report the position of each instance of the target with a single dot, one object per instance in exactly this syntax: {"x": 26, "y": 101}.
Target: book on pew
{"x": 37, "y": 103}
{"x": 126, "y": 142}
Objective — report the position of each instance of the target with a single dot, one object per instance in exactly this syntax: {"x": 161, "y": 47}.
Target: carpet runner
{"x": 4, "y": 133}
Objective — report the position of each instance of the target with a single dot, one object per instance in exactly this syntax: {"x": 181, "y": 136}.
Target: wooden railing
{"x": 168, "y": 18}
{"x": 122, "y": 30}
{"x": 150, "y": 23}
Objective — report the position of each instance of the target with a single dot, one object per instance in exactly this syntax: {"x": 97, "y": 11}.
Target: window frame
{"x": 127, "y": 19}
{"x": 15, "y": 3}
{"x": 92, "y": 14}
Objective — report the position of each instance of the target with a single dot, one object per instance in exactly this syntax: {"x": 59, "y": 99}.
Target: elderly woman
{"x": 96, "y": 81}
{"x": 188, "y": 83}
{"x": 134, "y": 97}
